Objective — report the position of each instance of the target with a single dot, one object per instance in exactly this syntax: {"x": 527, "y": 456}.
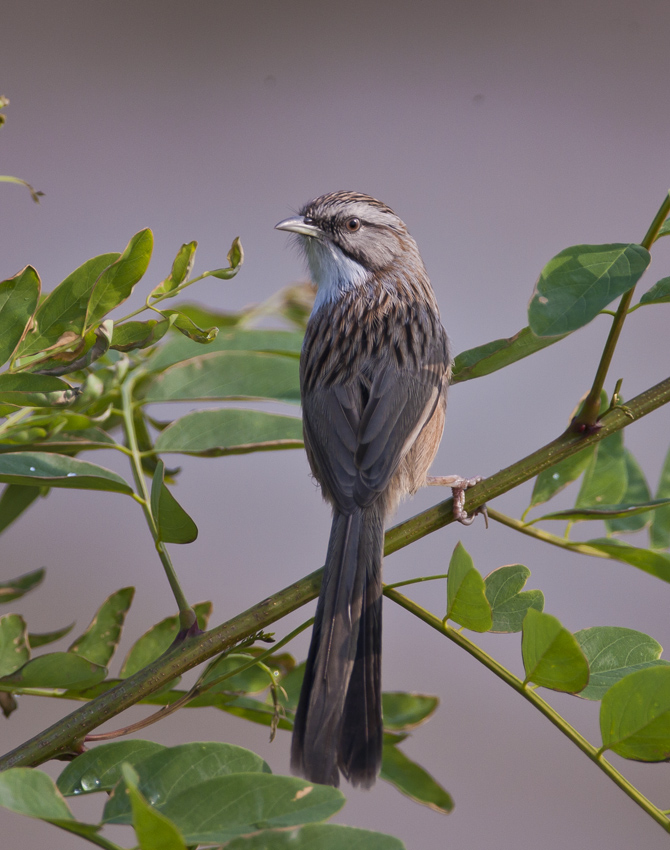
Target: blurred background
{"x": 501, "y": 131}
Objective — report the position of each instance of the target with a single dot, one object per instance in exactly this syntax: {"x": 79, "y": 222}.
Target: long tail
{"x": 338, "y": 723}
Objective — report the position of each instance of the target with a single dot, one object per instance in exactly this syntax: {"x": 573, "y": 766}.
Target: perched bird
{"x": 374, "y": 371}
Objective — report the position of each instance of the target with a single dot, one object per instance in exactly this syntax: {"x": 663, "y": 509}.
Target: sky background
{"x": 501, "y": 132}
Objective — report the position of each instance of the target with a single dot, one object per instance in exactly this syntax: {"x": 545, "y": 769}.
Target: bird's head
{"x": 347, "y": 237}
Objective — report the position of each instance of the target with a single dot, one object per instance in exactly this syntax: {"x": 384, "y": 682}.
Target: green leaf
{"x": 609, "y": 513}
{"x": 96, "y": 344}
{"x": 170, "y": 771}
{"x": 488, "y": 358}
{"x": 413, "y": 781}
{"x": 403, "y": 711}
{"x": 466, "y": 597}
{"x": 248, "y": 708}
{"x": 509, "y": 605}
{"x": 18, "y": 299}
{"x": 13, "y": 502}
{"x": 552, "y": 658}
{"x": 154, "y": 831}
{"x": 173, "y": 524}
{"x": 54, "y": 470}
{"x": 179, "y": 348}
{"x": 37, "y": 639}
{"x": 212, "y": 433}
{"x": 79, "y": 441}
{"x": 665, "y": 229}
{"x": 27, "y": 390}
{"x": 659, "y": 534}
{"x": 659, "y": 292}
{"x": 637, "y": 493}
{"x": 31, "y": 792}
{"x": 613, "y": 653}
{"x": 181, "y": 269}
{"x": 324, "y": 836}
{"x": 14, "y": 649}
{"x": 224, "y": 807}
{"x": 291, "y": 685}
{"x": 251, "y": 681}
{"x": 18, "y": 587}
{"x": 98, "y": 643}
{"x": 99, "y": 769}
{"x": 57, "y": 670}
{"x": 605, "y": 478}
{"x": 63, "y": 311}
{"x": 189, "y": 328}
{"x": 227, "y": 375}
{"x": 655, "y": 563}
{"x": 579, "y": 282}
{"x": 131, "y": 336}
{"x": 117, "y": 281}
{"x": 159, "y": 637}
{"x": 551, "y": 481}
{"x": 635, "y": 716}
{"x": 235, "y": 258}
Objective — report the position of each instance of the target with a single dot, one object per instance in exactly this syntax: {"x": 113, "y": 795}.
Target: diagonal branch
{"x": 66, "y": 736}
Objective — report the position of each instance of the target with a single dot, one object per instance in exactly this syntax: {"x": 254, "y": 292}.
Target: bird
{"x": 374, "y": 369}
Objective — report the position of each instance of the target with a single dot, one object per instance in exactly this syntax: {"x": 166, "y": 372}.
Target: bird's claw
{"x": 458, "y": 487}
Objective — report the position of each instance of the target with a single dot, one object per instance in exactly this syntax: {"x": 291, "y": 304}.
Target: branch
{"x": 567, "y": 444}
{"x": 529, "y": 694}
{"x": 587, "y": 419}
{"x": 67, "y": 735}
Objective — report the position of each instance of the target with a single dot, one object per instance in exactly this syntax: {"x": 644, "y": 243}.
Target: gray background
{"x": 501, "y": 132}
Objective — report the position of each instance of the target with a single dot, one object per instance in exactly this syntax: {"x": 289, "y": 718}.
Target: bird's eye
{"x": 353, "y": 224}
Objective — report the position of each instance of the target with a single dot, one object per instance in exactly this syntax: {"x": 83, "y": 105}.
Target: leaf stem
{"x": 159, "y": 298}
{"x": 187, "y": 616}
{"x": 587, "y": 418}
{"x": 545, "y": 536}
{"x": 415, "y": 581}
{"x": 531, "y": 696}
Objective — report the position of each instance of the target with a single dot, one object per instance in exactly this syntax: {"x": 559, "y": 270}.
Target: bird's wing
{"x": 359, "y": 432}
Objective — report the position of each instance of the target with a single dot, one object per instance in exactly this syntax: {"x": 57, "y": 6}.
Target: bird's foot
{"x": 458, "y": 487}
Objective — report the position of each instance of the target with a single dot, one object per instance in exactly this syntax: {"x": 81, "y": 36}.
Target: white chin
{"x": 333, "y": 272}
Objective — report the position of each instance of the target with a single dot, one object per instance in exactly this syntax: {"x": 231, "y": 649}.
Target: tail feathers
{"x": 338, "y": 720}
{"x": 361, "y": 735}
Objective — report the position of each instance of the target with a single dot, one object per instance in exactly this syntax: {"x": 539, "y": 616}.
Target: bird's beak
{"x": 299, "y": 225}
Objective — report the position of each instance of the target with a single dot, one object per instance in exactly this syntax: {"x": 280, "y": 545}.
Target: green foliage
{"x": 467, "y": 604}
{"x": 212, "y": 433}
{"x": 509, "y": 602}
{"x": 552, "y": 657}
{"x": 154, "y": 831}
{"x": 98, "y": 643}
{"x": 612, "y": 653}
{"x": 18, "y": 299}
{"x": 488, "y": 358}
{"x": 173, "y": 524}
{"x": 635, "y": 716}
{"x": 578, "y": 282}
{"x": 77, "y": 379}
{"x": 412, "y": 780}
{"x": 658, "y": 294}
{"x": 17, "y": 587}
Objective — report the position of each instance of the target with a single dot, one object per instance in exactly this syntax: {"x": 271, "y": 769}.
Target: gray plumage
{"x": 374, "y": 371}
